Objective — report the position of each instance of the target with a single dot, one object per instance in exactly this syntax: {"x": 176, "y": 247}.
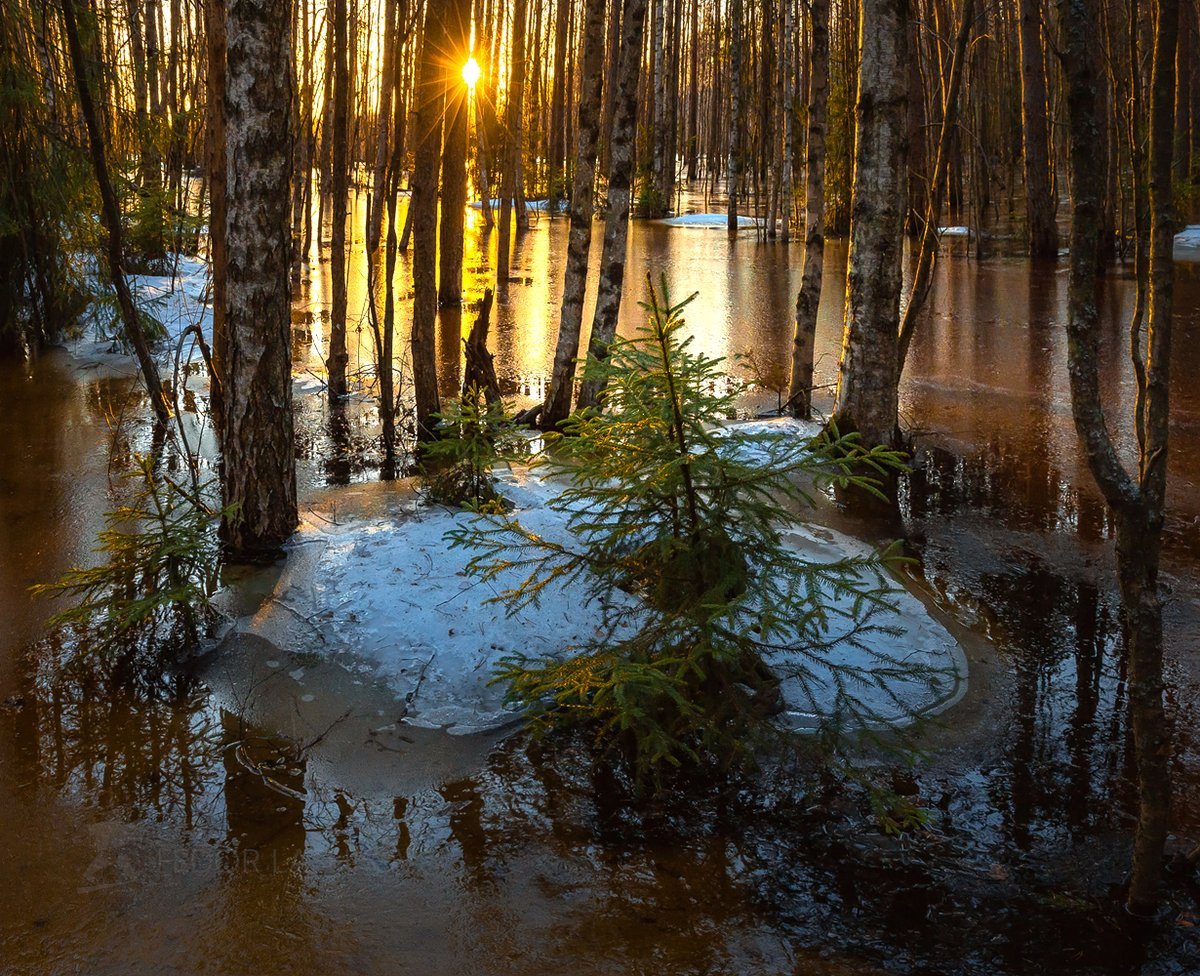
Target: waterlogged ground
{"x": 279, "y": 816}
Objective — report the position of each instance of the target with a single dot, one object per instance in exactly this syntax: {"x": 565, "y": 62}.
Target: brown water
{"x": 142, "y": 837}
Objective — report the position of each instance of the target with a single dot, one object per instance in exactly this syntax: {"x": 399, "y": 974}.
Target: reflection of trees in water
{"x": 117, "y": 748}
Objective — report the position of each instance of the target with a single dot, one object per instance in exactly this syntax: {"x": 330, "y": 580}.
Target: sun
{"x": 470, "y": 72}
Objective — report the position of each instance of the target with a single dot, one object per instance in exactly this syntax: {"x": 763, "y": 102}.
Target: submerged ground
{"x": 194, "y": 838}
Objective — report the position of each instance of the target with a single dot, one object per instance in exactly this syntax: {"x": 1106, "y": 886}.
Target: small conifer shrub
{"x": 151, "y": 597}
{"x": 472, "y": 437}
{"x": 678, "y": 530}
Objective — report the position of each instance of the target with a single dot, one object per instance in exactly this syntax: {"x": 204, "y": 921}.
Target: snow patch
{"x": 954, "y": 232}
{"x": 711, "y": 220}
{"x": 388, "y": 597}
{"x": 1188, "y": 241}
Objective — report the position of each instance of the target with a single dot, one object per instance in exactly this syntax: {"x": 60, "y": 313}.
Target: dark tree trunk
{"x": 454, "y": 155}
{"x": 808, "y": 300}
{"x": 110, "y": 215}
{"x": 430, "y": 100}
{"x": 338, "y": 356}
{"x": 214, "y": 11}
{"x": 1138, "y": 502}
{"x": 1039, "y": 191}
{"x": 258, "y": 440}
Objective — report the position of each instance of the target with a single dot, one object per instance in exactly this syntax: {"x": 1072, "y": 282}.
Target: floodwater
{"x": 272, "y": 818}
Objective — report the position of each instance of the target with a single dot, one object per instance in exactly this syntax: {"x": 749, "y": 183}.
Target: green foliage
{"x": 678, "y": 528}
{"x": 152, "y": 594}
{"x": 471, "y": 439}
{"x": 47, "y": 198}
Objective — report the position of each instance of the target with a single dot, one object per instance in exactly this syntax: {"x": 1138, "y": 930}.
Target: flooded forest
{"x": 600, "y": 487}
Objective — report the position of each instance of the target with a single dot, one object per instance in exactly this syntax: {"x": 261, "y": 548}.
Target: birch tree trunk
{"x": 562, "y": 380}
{"x": 511, "y": 179}
{"x": 867, "y": 376}
{"x": 258, "y": 443}
{"x": 808, "y": 300}
{"x": 620, "y": 179}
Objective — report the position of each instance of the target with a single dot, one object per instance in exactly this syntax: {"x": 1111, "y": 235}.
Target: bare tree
{"x": 1137, "y": 500}
{"x": 562, "y": 380}
{"x": 620, "y": 179}
{"x": 808, "y": 300}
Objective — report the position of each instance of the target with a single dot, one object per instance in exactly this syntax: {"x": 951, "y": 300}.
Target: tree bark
{"x": 867, "y": 376}
{"x": 214, "y": 12}
{"x": 259, "y": 483}
{"x": 1039, "y": 193}
{"x": 1138, "y": 502}
{"x": 733, "y": 167}
{"x": 430, "y": 100}
{"x": 808, "y": 300}
{"x": 454, "y": 155}
{"x": 338, "y": 356}
{"x": 562, "y": 380}
{"x": 620, "y": 179}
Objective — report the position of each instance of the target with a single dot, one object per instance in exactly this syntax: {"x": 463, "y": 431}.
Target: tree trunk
{"x": 1138, "y": 504}
{"x": 258, "y": 441}
{"x": 867, "y": 377}
{"x": 620, "y": 179}
{"x": 454, "y": 156}
{"x": 562, "y": 381}
{"x": 733, "y": 168}
{"x": 430, "y": 100}
{"x": 808, "y": 300}
{"x": 338, "y": 356}
{"x": 110, "y": 215}
{"x": 1039, "y": 192}
{"x": 214, "y": 12}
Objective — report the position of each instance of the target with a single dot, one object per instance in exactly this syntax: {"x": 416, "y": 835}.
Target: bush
{"x": 471, "y": 439}
{"x": 687, "y": 516}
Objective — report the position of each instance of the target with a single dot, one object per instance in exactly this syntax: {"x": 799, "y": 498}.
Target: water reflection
{"x": 237, "y": 848}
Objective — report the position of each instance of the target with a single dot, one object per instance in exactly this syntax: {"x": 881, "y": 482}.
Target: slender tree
{"x": 620, "y": 180}
{"x": 1137, "y": 499}
{"x": 562, "y": 380}
{"x": 808, "y": 299}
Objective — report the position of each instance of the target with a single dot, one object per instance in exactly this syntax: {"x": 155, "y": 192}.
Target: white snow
{"x": 712, "y": 220}
{"x": 179, "y": 299}
{"x": 1187, "y": 241}
{"x": 954, "y": 232}
{"x": 387, "y": 596}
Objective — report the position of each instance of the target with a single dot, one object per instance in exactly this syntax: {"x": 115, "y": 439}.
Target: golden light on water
{"x": 470, "y": 72}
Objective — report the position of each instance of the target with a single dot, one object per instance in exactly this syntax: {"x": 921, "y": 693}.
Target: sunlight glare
{"x": 470, "y": 72}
